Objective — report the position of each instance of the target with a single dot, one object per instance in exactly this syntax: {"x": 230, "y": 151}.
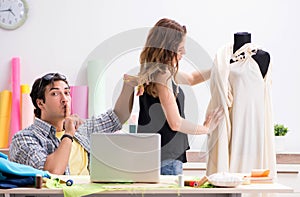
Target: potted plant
{"x": 280, "y": 132}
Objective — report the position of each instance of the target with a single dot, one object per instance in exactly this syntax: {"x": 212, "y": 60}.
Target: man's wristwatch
{"x": 66, "y": 135}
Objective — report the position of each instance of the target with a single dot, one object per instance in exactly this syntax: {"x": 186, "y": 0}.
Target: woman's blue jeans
{"x": 171, "y": 167}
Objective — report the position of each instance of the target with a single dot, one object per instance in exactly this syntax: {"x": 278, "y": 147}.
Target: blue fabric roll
{"x": 13, "y": 174}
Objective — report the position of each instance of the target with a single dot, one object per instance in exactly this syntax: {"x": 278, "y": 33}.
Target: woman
{"x": 162, "y": 100}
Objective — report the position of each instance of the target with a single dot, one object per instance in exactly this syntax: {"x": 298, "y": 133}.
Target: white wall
{"x": 60, "y": 34}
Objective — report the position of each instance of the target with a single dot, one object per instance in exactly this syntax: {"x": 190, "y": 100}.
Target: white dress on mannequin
{"x": 244, "y": 140}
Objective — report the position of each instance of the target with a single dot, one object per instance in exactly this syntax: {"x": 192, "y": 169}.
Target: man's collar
{"x": 45, "y": 127}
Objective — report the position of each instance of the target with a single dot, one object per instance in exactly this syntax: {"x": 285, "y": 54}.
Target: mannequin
{"x": 261, "y": 57}
{"x": 244, "y": 140}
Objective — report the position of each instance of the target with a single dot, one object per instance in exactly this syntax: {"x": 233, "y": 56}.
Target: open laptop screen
{"x": 125, "y": 157}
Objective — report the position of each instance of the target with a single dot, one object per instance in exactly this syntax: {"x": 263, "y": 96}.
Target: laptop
{"x": 125, "y": 157}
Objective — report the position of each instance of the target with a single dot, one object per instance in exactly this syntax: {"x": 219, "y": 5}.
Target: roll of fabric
{"x": 27, "y": 114}
{"x": 15, "y": 124}
{"x": 5, "y": 111}
{"x": 96, "y": 83}
{"x": 79, "y": 103}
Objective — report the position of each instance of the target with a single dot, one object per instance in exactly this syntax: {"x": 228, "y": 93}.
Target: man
{"x": 58, "y": 141}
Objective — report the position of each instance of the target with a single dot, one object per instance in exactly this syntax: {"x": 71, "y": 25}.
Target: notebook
{"x": 125, "y": 157}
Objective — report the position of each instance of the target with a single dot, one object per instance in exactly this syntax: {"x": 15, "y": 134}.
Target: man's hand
{"x": 72, "y": 122}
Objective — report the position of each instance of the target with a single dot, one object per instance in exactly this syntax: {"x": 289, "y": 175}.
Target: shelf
{"x": 281, "y": 158}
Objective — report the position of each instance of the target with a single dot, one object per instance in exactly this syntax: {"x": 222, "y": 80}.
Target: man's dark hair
{"x": 39, "y": 87}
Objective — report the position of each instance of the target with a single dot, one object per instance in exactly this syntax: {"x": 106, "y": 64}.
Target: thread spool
{"x": 191, "y": 183}
{"x": 196, "y": 183}
{"x": 180, "y": 181}
{"x": 38, "y": 181}
{"x": 69, "y": 182}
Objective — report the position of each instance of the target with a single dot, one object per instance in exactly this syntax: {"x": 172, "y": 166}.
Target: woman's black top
{"x": 152, "y": 120}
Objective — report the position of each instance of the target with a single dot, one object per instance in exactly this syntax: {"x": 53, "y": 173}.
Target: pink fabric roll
{"x": 15, "y": 124}
{"x": 27, "y": 115}
{"x": 79, "y": 104}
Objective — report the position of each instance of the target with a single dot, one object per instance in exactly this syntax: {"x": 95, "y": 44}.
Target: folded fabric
{"x": 16, "y": 181}
{"x": 76, "y": 190}
{"x": 13, "y": 174}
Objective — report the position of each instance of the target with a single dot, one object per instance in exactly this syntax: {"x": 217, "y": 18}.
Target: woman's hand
{"x": 135, "y": 81}
{"x": 213, "y": 119}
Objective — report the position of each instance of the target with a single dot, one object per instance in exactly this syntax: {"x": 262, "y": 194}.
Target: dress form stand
{"x": 261, "y": 57}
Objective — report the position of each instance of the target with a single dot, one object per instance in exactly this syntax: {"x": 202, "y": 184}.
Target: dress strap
{"x": 246, "y": 51}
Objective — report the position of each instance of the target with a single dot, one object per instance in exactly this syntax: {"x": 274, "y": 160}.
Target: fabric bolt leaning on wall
{"x": 27, "y": 114}
{"x": 15, "y": 125}
{"x": 79, "y": 103}
{"x": 5, "y": 111}
{"x": 96, "y": 83}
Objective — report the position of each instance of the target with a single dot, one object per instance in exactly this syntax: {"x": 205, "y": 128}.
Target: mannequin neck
{"x": 240, "y": 39}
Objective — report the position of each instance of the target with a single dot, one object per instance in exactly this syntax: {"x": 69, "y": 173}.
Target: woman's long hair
{"x": 160, "y": 51}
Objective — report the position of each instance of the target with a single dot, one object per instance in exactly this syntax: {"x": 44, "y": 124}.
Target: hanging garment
{"x": 244, "y": 140}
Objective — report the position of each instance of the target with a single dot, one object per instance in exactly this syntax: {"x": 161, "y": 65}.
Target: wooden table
{"x": 160, "y": 189}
